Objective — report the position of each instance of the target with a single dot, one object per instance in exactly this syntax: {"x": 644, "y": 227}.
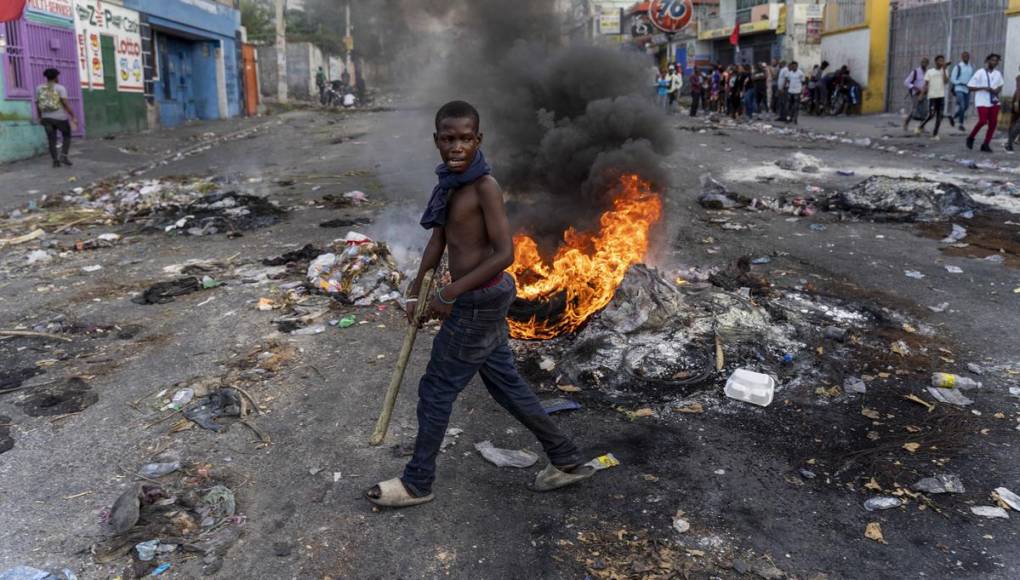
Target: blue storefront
{"x": 193, "y": 70}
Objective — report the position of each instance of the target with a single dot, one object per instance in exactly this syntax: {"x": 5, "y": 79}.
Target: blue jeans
{"x": 962, "y": 101}
{"x": 749, "y": 98}
{"x": 474, "y": 339}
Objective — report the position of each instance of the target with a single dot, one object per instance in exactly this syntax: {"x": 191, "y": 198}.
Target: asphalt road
{"x": 732, "y": 470}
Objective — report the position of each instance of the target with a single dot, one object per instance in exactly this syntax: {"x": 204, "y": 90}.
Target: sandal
{"x": 552, "y": 478}
{"x": 392, "y": 493}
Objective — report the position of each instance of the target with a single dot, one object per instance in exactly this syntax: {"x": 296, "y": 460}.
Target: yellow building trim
{"x": 878, "y": 18}
{"x": 845, "y": 29}
{"x": 1013, "y": 8}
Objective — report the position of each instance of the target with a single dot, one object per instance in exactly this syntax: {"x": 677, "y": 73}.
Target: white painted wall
{"x": 1011, "y": 60}
{"x": 850, "y": 48}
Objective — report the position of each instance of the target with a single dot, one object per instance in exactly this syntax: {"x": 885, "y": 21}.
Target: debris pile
{"x": 905, "y": 199}
{"x": 357, "y": 271}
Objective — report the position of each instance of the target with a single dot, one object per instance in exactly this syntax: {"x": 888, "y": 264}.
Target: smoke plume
{"x": 561, "y": 120}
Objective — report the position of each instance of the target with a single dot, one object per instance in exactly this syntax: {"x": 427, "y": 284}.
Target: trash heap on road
{"x": 357, "y": 270}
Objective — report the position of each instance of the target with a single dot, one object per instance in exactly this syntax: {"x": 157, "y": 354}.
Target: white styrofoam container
{"x": 751, "y": 387}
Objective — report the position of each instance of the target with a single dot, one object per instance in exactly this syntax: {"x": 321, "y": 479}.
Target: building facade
{"x": 195, "y": 58}
{"x": 42, "y": 38}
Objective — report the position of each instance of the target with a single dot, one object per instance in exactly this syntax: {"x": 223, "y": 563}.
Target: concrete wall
{"x": 19, "y": 138}
{"x": 303, "y": 60}
{"x": 268, "y": 81}
{"x": 1011, "y": 60}
{"x": 849, "y": 48}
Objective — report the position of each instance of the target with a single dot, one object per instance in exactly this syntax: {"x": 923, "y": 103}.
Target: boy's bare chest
{"x": 463, "y": 208}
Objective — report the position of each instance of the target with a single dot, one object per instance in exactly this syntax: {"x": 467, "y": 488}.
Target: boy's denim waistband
{"x": 494, "y": 298}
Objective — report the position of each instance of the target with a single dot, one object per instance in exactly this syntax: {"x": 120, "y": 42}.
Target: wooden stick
{"x": 383, "y": 424}
{"x": 35, "y": 334}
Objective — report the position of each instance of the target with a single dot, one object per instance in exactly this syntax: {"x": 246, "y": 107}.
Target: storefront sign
{"x": 813, "y": 31}
{"x": 95, "y": 19}
{"x": 61, "y": 8}
{"x": 610, "y": 22}
{"x": 670, "y": 15}
{"x": 745, "y": 28}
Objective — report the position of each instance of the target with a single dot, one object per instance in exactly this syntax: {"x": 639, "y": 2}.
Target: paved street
{"x": 737, "y": 472}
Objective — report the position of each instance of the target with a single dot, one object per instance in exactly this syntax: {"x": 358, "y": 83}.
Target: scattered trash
{"x": 125, "y": 512}
{"x": 559, "y": 404}
{"x": 152, "y": 470}
{"x": 913, "y": 274}
{"x": 882, "y": 503}
{"x": 855, "y": 385}
{"x": 681, "y": 525}
{"x": 905, "y": 199}
{"x": 954, "y": 269}
{"x": 506, "y": 457}
{"x": 950, "y": 396}
{"x": 164, "y": 292}
{"x": 314, "y": 329}
{"x": 29, "y": 573}
{"x": 817, "y": 227}
{"x": 762, "y": 260}
{"x": 182, "y": 398}
{"x": 873, "y": 531}
{"x": 940, "y": 483}
{"x": 939, "y": 307}
{"x": 547, "y": 364}
{"x": 603, "y": 462}
{"x": 225, "y": 402}
{"x": 751, "y": 387}
{"x": 845, "y": 173}
{"x": 345, "y": 222}
{"x": 987, "y": 511}
{"x": 359, "y": 269}
{"x": 1004, "y": 496}
{"x": 159, "y": 570}
{"x": 147, "y": 550}
{"x": 305, "y": 254}
{"x": 37, "y": 256}
{"x": 92, "y": 268}
{"x": 949, "y": 381}
{"x": 347, "y": 321}
{"x": 957, "y": 234}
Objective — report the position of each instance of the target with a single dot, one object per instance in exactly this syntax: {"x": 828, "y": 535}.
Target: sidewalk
{"x": 94, "y": 159}
{"x": 888, "y": 128}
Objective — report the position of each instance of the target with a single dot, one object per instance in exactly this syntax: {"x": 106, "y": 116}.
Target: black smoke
{"x": 562, "y": 120}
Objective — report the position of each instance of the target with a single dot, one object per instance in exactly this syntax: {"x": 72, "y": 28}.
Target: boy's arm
{"x": 490, "y": 197}
{"x": 430, "y": 259}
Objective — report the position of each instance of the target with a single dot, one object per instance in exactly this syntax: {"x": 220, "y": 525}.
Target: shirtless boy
{"x": 466, "y": 215}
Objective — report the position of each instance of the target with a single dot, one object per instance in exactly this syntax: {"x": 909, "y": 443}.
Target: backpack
{"x": 48, "y": 99}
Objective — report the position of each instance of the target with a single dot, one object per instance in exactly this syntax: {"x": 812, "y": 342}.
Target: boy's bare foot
{"x": 393, "y": 493}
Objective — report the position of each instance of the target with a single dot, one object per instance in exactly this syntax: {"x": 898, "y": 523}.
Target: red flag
{"x": 11, "y": 9}
{"x": 735, "y": 36}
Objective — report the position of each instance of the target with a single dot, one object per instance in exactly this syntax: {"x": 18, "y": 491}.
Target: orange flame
{"x": 587, "y": 267}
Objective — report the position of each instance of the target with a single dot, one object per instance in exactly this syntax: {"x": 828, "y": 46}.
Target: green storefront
{"x": 110, "y": 65}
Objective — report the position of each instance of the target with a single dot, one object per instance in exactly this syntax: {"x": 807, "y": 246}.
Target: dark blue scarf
{"x": 435, "y": 212}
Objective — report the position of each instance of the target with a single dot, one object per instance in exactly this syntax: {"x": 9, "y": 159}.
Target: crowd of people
{"x": 929, "y": 88}
{"x": 779, "y": 89}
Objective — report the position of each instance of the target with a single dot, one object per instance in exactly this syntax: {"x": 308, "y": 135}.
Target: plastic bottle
{"x": 950, "y": 381}
{"x": 159, "y": 469}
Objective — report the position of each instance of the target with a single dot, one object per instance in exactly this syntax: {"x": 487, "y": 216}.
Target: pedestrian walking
{"x": 771, "y": 70}
{"x": 715, "y": 89}
{"x": 915, "y": 85}
{"x": 697, "y": 91}
{"x": 662, "y": 90}
{"x": 320, "y": 83}
{"x": 55, "y": 115}
{"x": 793, "y": 85}
{"x": 468, "y": 219}
{"x": 1014, "y": 120}
{"x": 780, "y": 95}
{"x": 935, "y": 80}
{"x": 676, "y": 82}
{"x": 986, "y": 84}
{"x": 958, "y": 79}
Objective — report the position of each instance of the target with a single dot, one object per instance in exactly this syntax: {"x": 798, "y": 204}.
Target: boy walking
{"x": 986, "y": 85}
{"x": 55, "y": 114}
{"x": 962, "y": 72}
{"x": 935, "y": 88}
{"x": 466, "y": 215}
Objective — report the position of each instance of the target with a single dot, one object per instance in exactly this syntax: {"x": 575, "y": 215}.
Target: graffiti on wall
{"x": 95, "y": 19}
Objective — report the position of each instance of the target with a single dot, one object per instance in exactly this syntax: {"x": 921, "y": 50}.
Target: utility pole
{"x": 348, "y": 39}
{"x": 281, "y": 51}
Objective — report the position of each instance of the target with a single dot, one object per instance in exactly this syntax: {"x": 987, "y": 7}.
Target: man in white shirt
{"x": 793, "y": 83}
{"x": 676, "y": 82}
{"x": 986, "y": 84}
{"x": 935, "y": 88}
{"x": 958, "y": 80}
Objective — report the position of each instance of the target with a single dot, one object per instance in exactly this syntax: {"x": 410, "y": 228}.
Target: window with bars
{"x": 16, "y": 82}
